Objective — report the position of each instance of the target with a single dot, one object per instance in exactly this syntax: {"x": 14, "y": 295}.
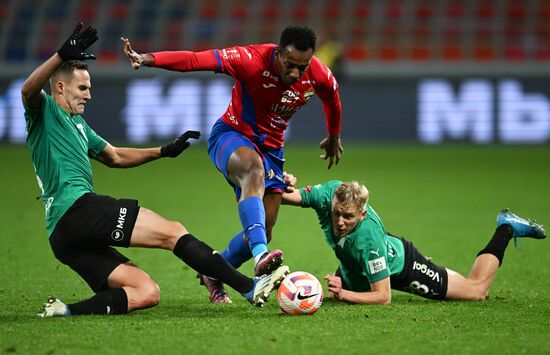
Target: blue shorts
{"x": 224, "y": 140}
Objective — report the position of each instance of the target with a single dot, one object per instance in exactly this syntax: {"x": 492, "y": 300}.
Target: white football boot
{"x": 54, "y": 308}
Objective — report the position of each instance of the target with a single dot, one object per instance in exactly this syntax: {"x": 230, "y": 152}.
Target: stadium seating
{"x": 395, "y": 31}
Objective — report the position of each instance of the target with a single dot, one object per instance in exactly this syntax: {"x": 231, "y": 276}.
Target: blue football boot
{"x": 522, "y": 227}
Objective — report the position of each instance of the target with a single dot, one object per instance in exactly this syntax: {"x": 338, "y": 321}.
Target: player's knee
{"x": 172, "y": 234}
{"x": 248, "y": 162}
{"x": 179, "y": 229}
{"x": 479, "y": 293}
{"x": 148, "y": 295}
{"x": 249, "y": 171}
{"x": 482, "y": 295}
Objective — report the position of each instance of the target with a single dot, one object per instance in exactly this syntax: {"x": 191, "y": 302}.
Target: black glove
{"x": 74, "y": 46}
{"x": 175, "y": 148}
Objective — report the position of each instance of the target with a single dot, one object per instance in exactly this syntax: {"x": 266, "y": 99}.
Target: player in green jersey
{"x": 372, "y": 261}
{"x": 83, "y": 226}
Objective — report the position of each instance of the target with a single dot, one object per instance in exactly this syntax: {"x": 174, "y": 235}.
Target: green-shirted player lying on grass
{"x": 372, "y": 261}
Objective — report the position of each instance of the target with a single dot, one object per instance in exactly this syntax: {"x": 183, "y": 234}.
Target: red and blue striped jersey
{"x": 261, "y": 105}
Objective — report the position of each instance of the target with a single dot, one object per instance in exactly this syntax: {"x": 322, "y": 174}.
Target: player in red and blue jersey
{"x": 246, "y": 144}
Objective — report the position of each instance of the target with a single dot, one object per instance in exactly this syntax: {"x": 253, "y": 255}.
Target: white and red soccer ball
{"x": 300, "y": 293}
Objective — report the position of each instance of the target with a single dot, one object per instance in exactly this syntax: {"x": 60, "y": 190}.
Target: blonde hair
{"x": 352, "y": 193}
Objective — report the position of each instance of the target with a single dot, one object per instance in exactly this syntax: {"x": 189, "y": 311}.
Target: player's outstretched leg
{"x": 215, "y": 288}
{"x": 54, "y": 308}
{"x": 521, "y": 227}
{"x": 264, "y": 284}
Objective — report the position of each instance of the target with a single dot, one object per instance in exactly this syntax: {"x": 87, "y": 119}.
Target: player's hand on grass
{"x": 334, "y": 286}
{"x": 290, "y": 180}
{"x": 137, "y": 60}
{"x": 179, "y": 144}
{"x": 333, "y": 150}
{"x": 75, "y": 46}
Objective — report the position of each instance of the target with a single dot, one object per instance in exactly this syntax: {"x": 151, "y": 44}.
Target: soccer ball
{"x": 300, "y": 293}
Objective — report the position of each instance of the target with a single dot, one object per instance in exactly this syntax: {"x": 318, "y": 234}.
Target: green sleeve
{"x": 96, "y": 143}
{"x": 33, "y": 115}
{"x": 373, "y": 255}
{"x": 319, "y": 196}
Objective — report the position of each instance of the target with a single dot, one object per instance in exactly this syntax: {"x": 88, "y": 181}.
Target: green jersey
{"x": 60, "y": 144}
{"x": 367, "y": 254}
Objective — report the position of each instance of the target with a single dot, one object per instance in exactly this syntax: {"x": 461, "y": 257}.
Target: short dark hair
{"x": 67, "y": 69}
{"x": 301, "y": 37}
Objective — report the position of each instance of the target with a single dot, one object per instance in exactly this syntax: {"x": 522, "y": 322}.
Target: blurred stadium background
{"x": 420, "y": 72}
{"x": 425, "y": 71}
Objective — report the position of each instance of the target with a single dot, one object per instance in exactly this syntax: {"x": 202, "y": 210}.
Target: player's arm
{"x": 171, "y": 60}
{"x": 73, "y": 48}
{"x": 332, "y": 108}
{"x": 31, "y": 91}
{"x": 291, "y": 195}
{"x": 117, "y": 157}
{"x": 380, "y": 292}
{"x": 293, "y": 198}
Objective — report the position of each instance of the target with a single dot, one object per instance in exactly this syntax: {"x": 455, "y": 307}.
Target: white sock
{"x": 258, "y": 257}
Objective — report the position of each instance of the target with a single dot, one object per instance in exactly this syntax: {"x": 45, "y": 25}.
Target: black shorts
{"x": 83, "y": 237}
{"x": 420, "y": 275}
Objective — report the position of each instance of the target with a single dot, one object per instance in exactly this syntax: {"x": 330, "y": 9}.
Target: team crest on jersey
{"x": 309, "y": 94}
{"x": 270, "y": 174}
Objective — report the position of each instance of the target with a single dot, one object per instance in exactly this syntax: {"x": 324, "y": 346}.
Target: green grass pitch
{"x": 445, "y": 199}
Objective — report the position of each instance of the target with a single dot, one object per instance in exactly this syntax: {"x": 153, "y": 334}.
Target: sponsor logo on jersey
{"x": 284, "y": 111}
{"x": 117, "y": 235}
{"x": 233, "y": 119}
{"x": 48, "y": 204}
{"x": 267, "y": 86}
{"x": 231, "y": 53}
{"x": 423, "y": 268}
{"x": 377, "y": 265}
{"x": 267, "y": 74}
{"x": 278, "y": 122}
{"x": 391, "y": 251}
{"x": 121, "y": 217}
{"x": 290, "y": 97}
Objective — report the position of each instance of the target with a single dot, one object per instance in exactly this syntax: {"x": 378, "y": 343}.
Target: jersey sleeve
{"x": 327, "y": 90}
{"x": 185, "y": 61}
{"x": 319, "y": 197}
{"x": 96, "y": 143}
{"x": 32, "y": 114}
{"x": 374, "y": 260}
{"x": 233, "y": 61}
{"x": 237, "y": 61}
